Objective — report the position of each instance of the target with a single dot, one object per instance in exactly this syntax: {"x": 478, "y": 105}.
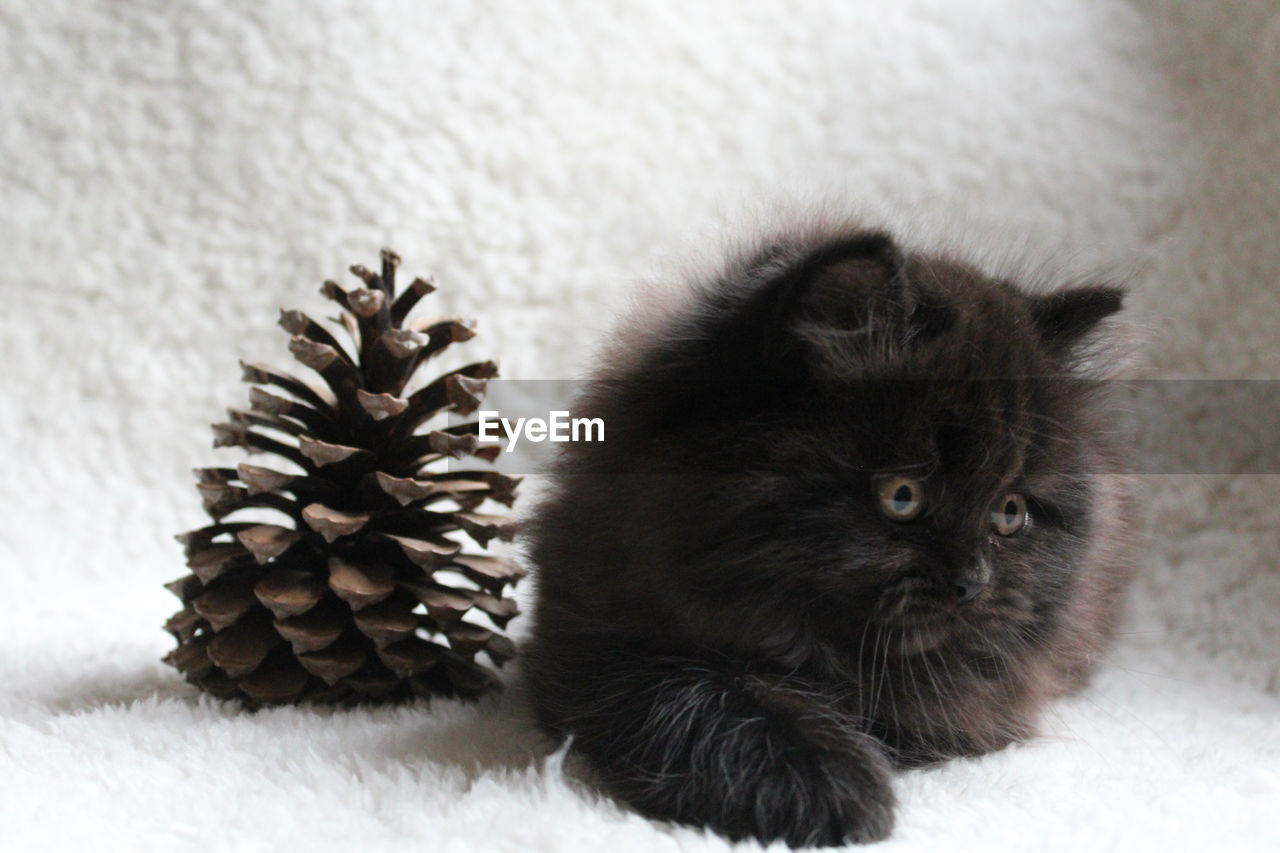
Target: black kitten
{"x": 856, "y": 509}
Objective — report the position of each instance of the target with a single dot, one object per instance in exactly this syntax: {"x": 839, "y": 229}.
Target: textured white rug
{"x": 172, "y": 173}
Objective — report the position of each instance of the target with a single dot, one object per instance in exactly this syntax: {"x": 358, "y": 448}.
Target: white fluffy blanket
{"x": 173, "y": 172}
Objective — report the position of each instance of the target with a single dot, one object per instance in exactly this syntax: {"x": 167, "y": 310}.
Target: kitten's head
{"x": 889, "y": 438}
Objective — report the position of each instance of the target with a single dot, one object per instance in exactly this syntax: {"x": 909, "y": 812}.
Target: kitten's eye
{"x": 1009, "y": 515}
{"x": 901, "y": 498}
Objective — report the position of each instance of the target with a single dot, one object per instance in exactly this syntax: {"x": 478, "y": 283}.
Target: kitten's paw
{"x": 750, "y": 758}
{"x": 851, "y": 799}
{"x": 834, "y": 781}
{"x": 793, "y": 792}
{"x": 817, "y": 798}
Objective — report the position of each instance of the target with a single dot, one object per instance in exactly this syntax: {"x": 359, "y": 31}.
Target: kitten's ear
{"x": 852, "y": 303}
{"x": 1067, "y": 319}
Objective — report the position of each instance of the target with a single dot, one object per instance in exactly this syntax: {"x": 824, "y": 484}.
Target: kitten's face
{"x": 963, "y": 504}
{"x": 928, "y": 467}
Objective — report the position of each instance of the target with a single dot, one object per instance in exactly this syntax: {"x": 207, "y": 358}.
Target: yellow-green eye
{"x": 1009, "y": 515}
{"x": 901, "y": 498}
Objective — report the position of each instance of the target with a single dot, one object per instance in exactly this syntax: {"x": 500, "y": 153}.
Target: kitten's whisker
{"x": 889, "y": 681}
{"x": 944, "y": 696}
{"x": 878, "y": 664}
{"x": 862, "y": 705}
{"x": 915, "y": 683}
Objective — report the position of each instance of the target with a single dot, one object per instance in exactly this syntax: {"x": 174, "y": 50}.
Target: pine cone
{"x": 366, "y": 592}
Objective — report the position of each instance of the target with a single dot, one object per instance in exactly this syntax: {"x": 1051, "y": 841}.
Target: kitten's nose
{"x": 972, "y": 580}
{"x": 967, "y": 588}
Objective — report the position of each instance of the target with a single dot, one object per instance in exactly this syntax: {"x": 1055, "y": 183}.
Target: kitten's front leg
{"x": 688, "y": 739}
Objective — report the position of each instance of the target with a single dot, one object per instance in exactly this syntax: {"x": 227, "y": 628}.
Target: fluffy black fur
{"x": 729, "y": 626}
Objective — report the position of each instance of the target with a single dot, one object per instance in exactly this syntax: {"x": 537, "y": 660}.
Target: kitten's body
{"x": 727, "y": 623}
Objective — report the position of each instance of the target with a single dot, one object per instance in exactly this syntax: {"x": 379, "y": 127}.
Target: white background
{"x": 171, "y": 173}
